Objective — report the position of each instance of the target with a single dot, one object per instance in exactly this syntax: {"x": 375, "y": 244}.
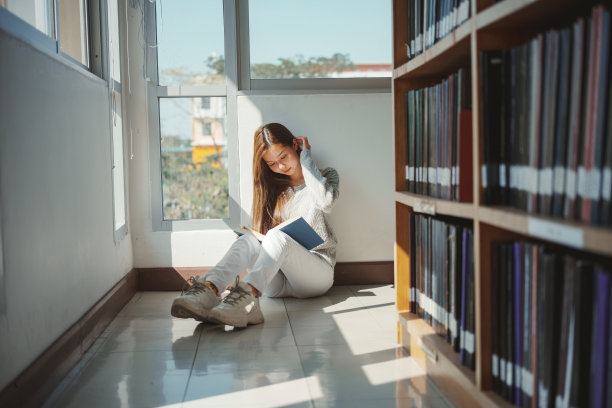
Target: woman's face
{"x": 283, "y": 159}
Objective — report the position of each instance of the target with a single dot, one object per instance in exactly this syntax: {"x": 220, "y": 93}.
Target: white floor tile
{"x": 132, "y": 379}
{"x": 265, "y": 359}
{"x": 252, "y": 337}
{"x": 336, "y": 350}
{"x": 248, "y": 388}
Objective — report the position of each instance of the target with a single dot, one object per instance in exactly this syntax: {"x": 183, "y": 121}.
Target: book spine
{"x": 601, "y": 333}
{"x": 575, "y": 117}
{"x": 518, "y": 314}
{"x": 586, "y": 172}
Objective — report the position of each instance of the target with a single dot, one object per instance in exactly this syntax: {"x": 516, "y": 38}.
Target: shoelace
{"x": 195, "y": 288}
{"x": 236, "y": 293}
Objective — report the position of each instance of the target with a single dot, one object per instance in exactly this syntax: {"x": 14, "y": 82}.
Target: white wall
{"x": 56, "y": 201}
{"x": 351, "y": 132}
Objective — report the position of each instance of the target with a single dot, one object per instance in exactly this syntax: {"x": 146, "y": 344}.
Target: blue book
{"x": 297, "y": 228}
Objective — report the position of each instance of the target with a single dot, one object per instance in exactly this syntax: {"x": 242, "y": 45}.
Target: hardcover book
{"x": 297, "y": 228}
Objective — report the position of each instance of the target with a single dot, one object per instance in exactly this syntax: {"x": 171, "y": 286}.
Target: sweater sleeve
{"x": 322, "y": 186}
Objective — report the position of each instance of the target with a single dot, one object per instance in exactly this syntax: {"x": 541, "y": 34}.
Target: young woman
{"x": 286, "y": 184}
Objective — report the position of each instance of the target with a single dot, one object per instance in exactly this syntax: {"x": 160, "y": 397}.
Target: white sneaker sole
{"x": 216, "y": 316}
{"x": 183, "y": 311}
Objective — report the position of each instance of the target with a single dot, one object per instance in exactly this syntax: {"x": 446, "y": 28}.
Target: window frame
{"x": 238, "y": 83}
{"x": 50, "y": 43}
{"x": 381, "y": 84}
{"x": 88, "y": 38}
{"x": 115, "y": 88}
{"x": 229, "y": 91}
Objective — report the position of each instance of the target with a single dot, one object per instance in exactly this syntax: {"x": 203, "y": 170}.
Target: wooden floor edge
{"x": 34, "y": 385}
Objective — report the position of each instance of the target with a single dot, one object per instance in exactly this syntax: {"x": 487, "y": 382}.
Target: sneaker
{"x": 239, "y": 308}
{"x": 196, "y": 302}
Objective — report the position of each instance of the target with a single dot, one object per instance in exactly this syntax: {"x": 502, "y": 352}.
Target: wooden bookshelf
{"x": 433, "y": 206}
{"x": 438, "y": 59}
{"x": 490, "y": 26}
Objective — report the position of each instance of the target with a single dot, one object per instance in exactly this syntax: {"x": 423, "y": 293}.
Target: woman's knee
{"x": 276, "y": 236}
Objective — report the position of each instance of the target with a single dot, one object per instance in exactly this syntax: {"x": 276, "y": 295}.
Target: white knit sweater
{"x": 314, "y": 200}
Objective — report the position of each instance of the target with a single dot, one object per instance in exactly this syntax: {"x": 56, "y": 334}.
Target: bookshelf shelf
{"x": 521, "y": 14}
{"x": 563, "y": 232}
{"x": 449, "y": 52}
{"x": 493, "y": 25}
{"x": 442, "y": 364}
{"x": 432, "y": 206}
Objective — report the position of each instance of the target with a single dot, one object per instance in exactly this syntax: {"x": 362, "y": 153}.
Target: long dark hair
{"x": 268, "y": 187}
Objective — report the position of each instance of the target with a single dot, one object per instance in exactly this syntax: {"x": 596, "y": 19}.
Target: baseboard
{"x": 33, "y": 386}
{"x": 363, "y": 273}
{"x": 167, "y": 278}
{"x": 346, "y": 273}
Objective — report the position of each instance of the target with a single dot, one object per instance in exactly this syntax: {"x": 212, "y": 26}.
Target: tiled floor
{"x": 338, "y": 350}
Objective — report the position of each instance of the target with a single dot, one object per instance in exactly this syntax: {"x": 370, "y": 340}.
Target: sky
{"x": 189, "y": 31}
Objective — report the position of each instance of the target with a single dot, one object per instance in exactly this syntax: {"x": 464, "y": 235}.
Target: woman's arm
{"x": 323, "y": 187}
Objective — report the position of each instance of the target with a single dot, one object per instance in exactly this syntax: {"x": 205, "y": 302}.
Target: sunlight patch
{"x": 392, "y": 371}
{"x": 269, "y": 396}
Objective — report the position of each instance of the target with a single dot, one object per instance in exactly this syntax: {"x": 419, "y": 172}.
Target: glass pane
{"x": 190, "y": 43}
{"x": 113, "y": 40}
{"x": 118, "y": 170}
{"x": 73, "y": 29}
{"x": 37, "y": 13}
{"x": 320, "y": 38}
{"x": 194, "y": 158}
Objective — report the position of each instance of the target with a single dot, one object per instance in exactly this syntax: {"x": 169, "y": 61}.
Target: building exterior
{"x": 208, "y": 137}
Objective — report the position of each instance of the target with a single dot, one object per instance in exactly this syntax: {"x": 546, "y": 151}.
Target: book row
{"x": 551, "y": 315}
{"x": 431, "y": 20}
{"x": 547, "y": 122}
{"x": 439, "y": 139}
{"x": 442, "y": 281}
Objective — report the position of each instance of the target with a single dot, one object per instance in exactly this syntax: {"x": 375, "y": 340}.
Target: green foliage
{"x": 193, "y": 191}
{"x": 296, "y": 67}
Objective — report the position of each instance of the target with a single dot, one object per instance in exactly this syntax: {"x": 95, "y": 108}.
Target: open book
{"x": 297, "y": 228}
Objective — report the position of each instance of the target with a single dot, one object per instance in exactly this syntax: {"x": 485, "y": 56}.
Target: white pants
{"x": 277, "y": 267}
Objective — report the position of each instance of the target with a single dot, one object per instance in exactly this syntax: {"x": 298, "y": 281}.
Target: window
{"x": 37, "y": 13}
{"x": 116, "y": 92}
{"x": 319, "y": 39}
{"x": 73, "y": 29}
{"x": 206, "y": 53}
{"x": 193, "y": 159}
{"x": 206, "y": 128}
{"x": 65, "y": 27}
{"x": 190, "y": 43}
{"x": 205, "y": 101}
{"x": 192, "y": 130}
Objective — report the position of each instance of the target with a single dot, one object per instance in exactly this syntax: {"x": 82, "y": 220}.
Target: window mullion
{"x": 190, "y": 90}
{"x": 230, "y": 25}
{"x": 243, "y": 47}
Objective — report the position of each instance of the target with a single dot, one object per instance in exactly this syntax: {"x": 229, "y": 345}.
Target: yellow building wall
{"x": 200, "y": 154}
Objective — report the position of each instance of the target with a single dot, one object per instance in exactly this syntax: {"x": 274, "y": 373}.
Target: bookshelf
{"x": 490, "y": 26}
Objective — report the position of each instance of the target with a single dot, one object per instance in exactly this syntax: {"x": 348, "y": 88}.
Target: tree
{"x": 296, "y": 67}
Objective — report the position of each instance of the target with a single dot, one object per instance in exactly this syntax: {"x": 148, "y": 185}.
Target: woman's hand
{"x": 302, "y": 141}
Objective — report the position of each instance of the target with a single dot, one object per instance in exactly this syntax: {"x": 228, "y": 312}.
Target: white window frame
{"x": 238, "y": 82}
{"x": 50, "y": 44}
{"x": 311, "y": 85}
{"x": 228, "y": 91}
{"x": 116, "y": 88}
